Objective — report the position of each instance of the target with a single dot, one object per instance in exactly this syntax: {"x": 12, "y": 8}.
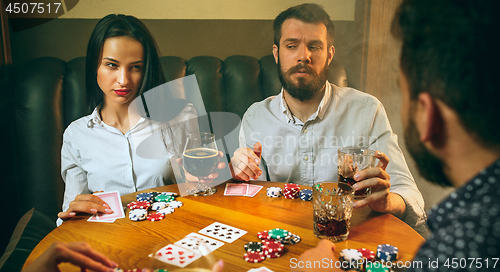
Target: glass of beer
{"x": 352, "y": 160}
{"x": 332, "y": 210}
{"x": 200, "y": 159}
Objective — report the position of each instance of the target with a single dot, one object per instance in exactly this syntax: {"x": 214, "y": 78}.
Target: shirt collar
{"x": 323, "y": 105}
{"x": 95, "y": 118}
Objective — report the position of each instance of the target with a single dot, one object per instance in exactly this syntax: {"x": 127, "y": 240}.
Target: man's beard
{"x": 302, "y": 90}
{"x": 429, "y": 166}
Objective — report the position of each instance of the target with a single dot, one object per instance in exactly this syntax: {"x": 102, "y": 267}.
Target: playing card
{"x": 199, "y": 243}
{"x": 95, "y": 218}
{"x": 115, "y": 203}
{"x": 236, "y": 189}
{"x": 176, "y": 255}
{"x": 223, "y": 232}
{"x": 253, "y": 190}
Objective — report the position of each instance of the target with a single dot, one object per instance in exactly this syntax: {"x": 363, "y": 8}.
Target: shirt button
{"x": 305, "y": 130}
{"x": 306, "y": 158}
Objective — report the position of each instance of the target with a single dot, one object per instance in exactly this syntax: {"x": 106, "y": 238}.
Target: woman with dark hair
{"x": 99, "y": 151}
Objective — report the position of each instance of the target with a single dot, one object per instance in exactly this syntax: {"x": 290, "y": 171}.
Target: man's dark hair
{"x": 449, "y": 50}
{"x": 119, "y": 25}
{"x": 308, "y": 13}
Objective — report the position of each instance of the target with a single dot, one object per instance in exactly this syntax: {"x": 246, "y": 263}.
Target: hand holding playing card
{"x": 85, "y": 203}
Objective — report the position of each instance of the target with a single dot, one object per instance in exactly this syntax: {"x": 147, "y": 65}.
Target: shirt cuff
{"x": 415, "y": 213}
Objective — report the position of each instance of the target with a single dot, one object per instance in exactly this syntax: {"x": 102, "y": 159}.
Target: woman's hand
{"x": 85, "y": 203}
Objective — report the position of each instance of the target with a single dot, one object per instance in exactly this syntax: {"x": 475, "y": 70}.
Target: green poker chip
{"x": 278, "y": 233}
{"x": 164, "y": 198}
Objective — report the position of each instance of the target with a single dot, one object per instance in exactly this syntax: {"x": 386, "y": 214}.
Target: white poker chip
{"x": 350, "y": 254}
{"x": 274, "y": 192}
{"x": 175, "y": 204}
{"x": 138, "y": 214}
{"x": 159, "y": 205}
{"x": 169, "y": 193}
{"x": 167, "y": 210}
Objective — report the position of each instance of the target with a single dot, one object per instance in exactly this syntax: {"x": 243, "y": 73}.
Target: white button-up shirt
{"x": 305, "y": 153}
{"x": 99, "y": 157}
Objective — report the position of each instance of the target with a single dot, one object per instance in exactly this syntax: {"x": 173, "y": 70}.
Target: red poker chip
{"x": 156, "y": 216}
{"x": 263, "y": 234}
{"x": 268, "y": 240}
{"x": 273, "y": 247}
{"x": 138, "y": 205}
{"x": 367, "y": 254}
{"x": 254, "y": 257}
{"x": 273, "y": 255}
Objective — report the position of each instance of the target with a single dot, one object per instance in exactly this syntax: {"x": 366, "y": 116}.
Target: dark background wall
{"x": 67, "y": 39}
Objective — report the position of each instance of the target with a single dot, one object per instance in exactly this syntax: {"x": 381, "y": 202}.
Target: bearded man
{"x": 295, "y": 135}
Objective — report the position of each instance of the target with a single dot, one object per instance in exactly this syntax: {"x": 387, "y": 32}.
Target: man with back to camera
{"x": 299, "y": 131}
{"x": 448, "y": 80}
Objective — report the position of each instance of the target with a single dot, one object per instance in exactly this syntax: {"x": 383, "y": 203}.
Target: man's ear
{"x": 428, "y": 118}
{"x": 275, "y": 52}
{"x": 331, "y": 53}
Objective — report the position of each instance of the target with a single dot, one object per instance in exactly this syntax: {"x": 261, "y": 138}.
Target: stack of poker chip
{"x": 376, "y": 267}
{"x": 159, "y": 206}
{"x": 253, "y": 247}
{"x": 254, "y": 257}
{"x": 274, "y": 192}
{"x": 165, "y": 204}
{"x": 387, "y": 252}
{"x": 278, "y": 233}
{"x": 306, "y": 195}
{"x": 273, "y": 249}
{"x": 138, "y": 214}
{"x": 290, "y": 240}
{"x": 144, "y": 204}
{"x": 291, "y": 191}
{"x": 164, "y": 198}
{"x": 352, "y": 258}
{"x": 145, "y": 197}
{"x": 367, "y": 254}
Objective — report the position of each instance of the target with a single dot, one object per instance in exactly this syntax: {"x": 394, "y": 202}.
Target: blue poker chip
{"x": 145, "y": 197}
{"x": 387, "y": 252}
{"x": 306, "y": 195}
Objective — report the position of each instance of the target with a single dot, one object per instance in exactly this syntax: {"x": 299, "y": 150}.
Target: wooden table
{"x": 128, "y": 243}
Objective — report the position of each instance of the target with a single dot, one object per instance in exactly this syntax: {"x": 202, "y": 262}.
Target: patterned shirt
{"x": 465, "y": 228}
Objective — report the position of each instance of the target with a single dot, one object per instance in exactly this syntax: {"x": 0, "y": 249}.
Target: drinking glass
{"x": 332, "y": 210}
{"x": 200, "y": 159}
{"x": 352, "y": 160}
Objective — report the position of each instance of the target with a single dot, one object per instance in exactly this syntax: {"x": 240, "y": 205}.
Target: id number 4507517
{"x": 471, "y": 262}
{"x": 32, "y": 8}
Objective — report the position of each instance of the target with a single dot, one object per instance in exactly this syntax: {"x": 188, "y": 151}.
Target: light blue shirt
{"x": 305, "y": 153}
{"x": 99, "y": 157}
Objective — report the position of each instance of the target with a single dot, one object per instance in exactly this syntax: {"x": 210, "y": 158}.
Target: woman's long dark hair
{"x": 119, "y": 25}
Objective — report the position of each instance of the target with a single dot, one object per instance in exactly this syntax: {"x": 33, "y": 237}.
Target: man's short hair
{"x": 307, "y": 13}
{"x": 449, "y": 50}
